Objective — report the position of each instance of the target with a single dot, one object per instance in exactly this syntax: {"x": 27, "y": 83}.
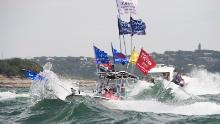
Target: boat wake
{"x": 197, "y": 108}
{"x": 190, "y": 100}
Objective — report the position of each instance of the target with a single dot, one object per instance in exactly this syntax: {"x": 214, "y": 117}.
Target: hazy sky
{"x": 70, "y": 27}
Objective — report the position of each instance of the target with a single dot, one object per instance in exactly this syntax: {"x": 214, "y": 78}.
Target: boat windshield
{"x": 164, "y": 75}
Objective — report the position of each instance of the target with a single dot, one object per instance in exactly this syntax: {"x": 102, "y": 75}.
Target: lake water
{"x": 197, "y": 103}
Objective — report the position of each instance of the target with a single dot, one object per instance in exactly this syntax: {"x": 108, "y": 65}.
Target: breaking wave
{"x": 51, "y": 87}
{"x": 197, "y": 108}
{"x": 12, "y": 95}
{"x": 166, "y": 97}
{"x": 162, "y": 97}
{"x": 203, "y": 82}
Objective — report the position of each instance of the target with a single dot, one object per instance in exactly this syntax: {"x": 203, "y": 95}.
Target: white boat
{"x": 167, "y": 73}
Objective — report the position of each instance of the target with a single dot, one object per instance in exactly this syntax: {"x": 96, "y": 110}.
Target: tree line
{"x": 13, "y": 67}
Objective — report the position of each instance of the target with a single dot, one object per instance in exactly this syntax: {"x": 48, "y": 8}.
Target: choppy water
{"x": 147, "y": 104}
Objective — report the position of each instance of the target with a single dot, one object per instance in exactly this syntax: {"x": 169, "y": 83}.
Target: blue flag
{"x": 118, "y": 57}
{"x": 101, "y": 56}
{"x": 32, "y": 75}
{"x": 124, "y": 27}
{"x": 138, "y": 26}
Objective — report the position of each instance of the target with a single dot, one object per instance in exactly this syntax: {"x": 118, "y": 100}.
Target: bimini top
{"x": 117, "y": 75}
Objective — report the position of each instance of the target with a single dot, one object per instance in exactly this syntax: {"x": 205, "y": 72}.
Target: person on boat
{"x": 73, "y": 91}
{"x": 107, "y": 93}
{"x": 166, "y": 76}
{"x": 104, "y": 92}
{"x": 177, "y": 78}
{"x": 150, "y": 79}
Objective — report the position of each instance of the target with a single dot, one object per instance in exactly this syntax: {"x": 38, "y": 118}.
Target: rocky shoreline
{"x": 16, "y": 82}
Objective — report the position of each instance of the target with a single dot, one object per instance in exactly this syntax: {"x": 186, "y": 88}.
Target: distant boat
{"x": 167, "y": 73}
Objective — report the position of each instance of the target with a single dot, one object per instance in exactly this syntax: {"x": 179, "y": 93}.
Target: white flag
{"x": 127, "y": 6}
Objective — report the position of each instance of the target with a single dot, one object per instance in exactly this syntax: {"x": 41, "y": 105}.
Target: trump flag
{"x": 145, "y": 62}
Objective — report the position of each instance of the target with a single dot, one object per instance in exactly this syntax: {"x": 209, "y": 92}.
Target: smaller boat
{"x": 168, "y": 73}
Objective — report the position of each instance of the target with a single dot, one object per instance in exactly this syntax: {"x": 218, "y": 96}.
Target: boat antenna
{"x": 2, "y": 55}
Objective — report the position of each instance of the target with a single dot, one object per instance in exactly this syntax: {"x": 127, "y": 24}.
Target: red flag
{"x": 145, "y": 62}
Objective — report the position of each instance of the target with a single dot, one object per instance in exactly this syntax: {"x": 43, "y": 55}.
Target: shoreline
{"x": 16, "y": 82}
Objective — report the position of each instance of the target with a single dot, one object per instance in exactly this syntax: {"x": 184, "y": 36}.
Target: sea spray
{"x": 146, "y": 90}
{"x": 138, "y": 87}
{"x": 7, "y": 95}
{"x": 201, "y": 82}
{"x": 51, "y": 86}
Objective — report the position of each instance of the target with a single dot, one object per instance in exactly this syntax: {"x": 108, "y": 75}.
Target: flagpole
{"x": 97, "y": 71}
{"x": 119, "y": 37}
{"x": 95, "y": 57}
{"x": 131, "y": 35}
{"x": 123, "y": 33}
{"x": 119, "y": 16}
{"x": 132, "y": 67}
{"x": 124, "y": 45}
{"x": 131, "y": 43}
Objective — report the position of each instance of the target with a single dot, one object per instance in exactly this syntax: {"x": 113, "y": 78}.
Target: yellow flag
{"x": 134, "y": 56}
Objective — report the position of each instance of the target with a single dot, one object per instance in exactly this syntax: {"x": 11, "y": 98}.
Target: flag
{"x": 124, "y": 27}
{"x": 134, "y": 56}
{"x": 145, "y": 62}
{"x": 101, "y": 56}
{"x": 138, "y": 26}
{"x": 127, "y": 6}
{"x": 106, "y": 67}
{"x": 118, "y": 57}
{"x": 32, "y": 75}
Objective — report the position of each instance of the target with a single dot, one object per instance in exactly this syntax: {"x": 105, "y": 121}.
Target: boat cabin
{"x": 166, "y": 72}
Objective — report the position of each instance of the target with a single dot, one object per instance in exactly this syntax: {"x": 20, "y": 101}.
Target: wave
{"x": 203, "y": 82}
{"x": 198, "y": 108}
{"x": 139, "y": 87}
{"x": 190, "y": 100}
{"x": 12, "y": 95}
{"x": 162, "y": 97}
{"x": 200, "y": 82}
{"x": 51, "y": 86}
{"x": 58, "y": 111}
